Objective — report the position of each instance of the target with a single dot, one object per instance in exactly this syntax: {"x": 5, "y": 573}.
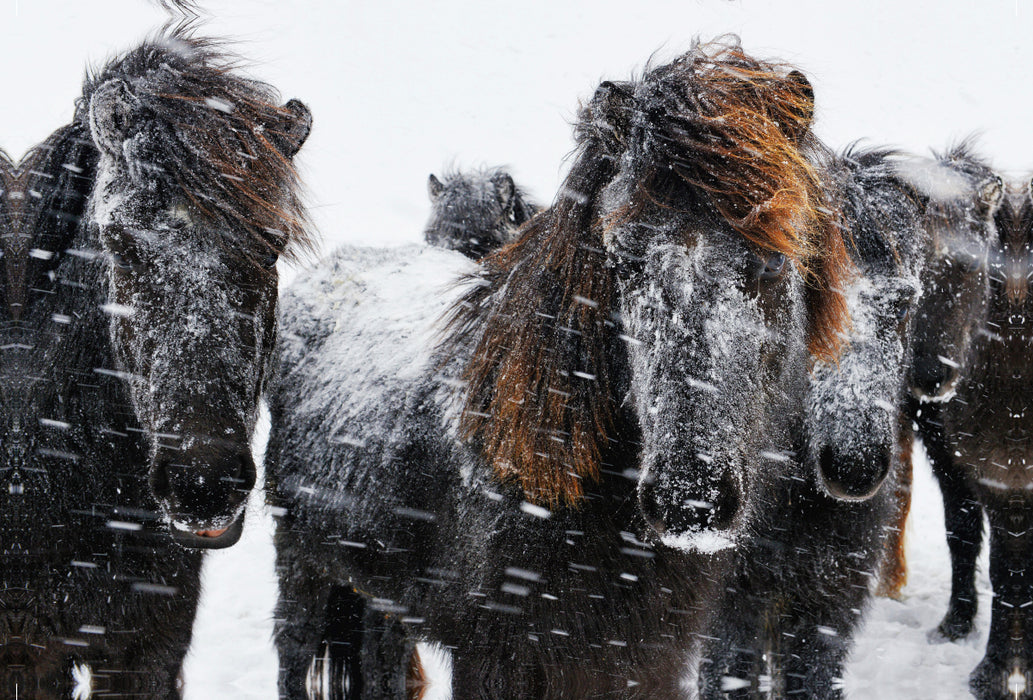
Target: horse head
{"x": 684, "y": 271}
{"x": 965, "y": 195}
{"x": 475, "y": 212}
{"x": 195, "y": 200}
{"x": 854, "y": 405}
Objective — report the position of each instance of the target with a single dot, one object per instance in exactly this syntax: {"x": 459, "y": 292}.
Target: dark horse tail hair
{"x": 736, "y": 132}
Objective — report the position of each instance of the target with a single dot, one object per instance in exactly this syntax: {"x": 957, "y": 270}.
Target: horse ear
{"x": 434, "y": 187}
{"x": 607, "y": 116}
{"x": 505, "y": 189}
{"x": 112, "y": 106}
{"x": 991, "y": 191}
{"x": 802, "y": 107}
{"x": 291, "y": 128}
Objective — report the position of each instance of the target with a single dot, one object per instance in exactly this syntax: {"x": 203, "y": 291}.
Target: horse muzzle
{"x": 856, "y": 476}
{"x": 701, "y": 519}
{"x": 203, "y": 494}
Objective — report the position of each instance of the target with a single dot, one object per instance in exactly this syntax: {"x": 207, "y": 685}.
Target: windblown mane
{"x": 10, "y": 239}
{"x": 880, "y": 204}
{"x": 735, "y": 130}
{"x": 206, "y": 130}
{"x": 948, "y": 209}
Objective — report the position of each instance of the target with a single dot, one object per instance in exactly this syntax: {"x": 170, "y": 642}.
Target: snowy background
{"x": 401, "y": 89}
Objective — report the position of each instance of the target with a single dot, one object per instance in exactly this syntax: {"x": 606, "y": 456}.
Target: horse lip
{"x": 213, "y": 538}
{"x": 943, "y": 394}
{"x": 211, "y": 533}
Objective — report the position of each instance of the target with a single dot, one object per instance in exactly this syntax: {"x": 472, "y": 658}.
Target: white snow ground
{"x": 399, "y": 89}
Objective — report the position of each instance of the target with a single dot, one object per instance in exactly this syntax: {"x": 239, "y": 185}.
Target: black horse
{"x": 476, "y": 211}
{"x": 978, "y": 447}
{"x": 554, "y": 490}
{"x": 805, "y": 577}
{"x": 149, "y": 231}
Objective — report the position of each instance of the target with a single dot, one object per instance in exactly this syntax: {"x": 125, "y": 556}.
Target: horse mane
{"x": 877, "y": 200}
{"x": 962, "y": 159}
{"x": 210, "y": 135}
{"x": 543, "y": 323}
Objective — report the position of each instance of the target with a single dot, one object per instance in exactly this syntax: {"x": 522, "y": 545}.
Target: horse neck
{"x": 74, "y": 342}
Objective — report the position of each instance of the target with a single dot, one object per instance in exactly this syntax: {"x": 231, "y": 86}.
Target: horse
{"x": 153, "y": 223}
{"x": 552, "y": 489}
{"x": 950, "y": 314}
{"x": 804, "y": 579}
{"x": 476, "y": 211}
{"x": 979, "y": 456}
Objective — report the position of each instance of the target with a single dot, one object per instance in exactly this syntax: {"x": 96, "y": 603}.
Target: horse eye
{"x": 269, "y": 261}
{"x": 121, "y": 262}
{"x": 773, "y": 266}
{"x": 903, "y": 310}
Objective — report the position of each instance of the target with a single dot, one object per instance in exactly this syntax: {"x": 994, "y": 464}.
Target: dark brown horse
{"x": 979, "y": 449}
{"x": 804, "y": 579}
{"x": 552, "y": 493}
{"x": 476, "y": 211}
{"x": 141, "y": 291}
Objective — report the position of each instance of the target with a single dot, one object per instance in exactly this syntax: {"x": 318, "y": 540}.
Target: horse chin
{"x": 216, "y": 537}
{"x": 838, "y": 493}
{"x": 700, "y": 541}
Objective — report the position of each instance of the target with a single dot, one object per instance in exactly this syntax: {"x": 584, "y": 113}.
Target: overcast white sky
{"x": 400, "y": 89}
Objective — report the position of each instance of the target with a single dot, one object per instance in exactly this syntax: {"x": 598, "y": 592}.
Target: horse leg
{"x": 149, "y": 663}
{"x": 384, "y": 659}
{"x": 813, "y": 667}
{"x": 300, "y": 617}
{"x": 1004, "y": 670}
{"x": 732, "y": 663}
{"x": 963, "y": 518}
{"x": 482, "y": 673}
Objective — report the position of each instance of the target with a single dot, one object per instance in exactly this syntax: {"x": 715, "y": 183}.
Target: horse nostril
{"x": 650, "y": 507}
{"x": 854, "y": 476}
{"x": 673, "y": 515}
{"x": 244, "y": 476}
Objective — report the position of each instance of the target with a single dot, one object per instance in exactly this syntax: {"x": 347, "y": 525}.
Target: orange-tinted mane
{"x": 541, "y": 400}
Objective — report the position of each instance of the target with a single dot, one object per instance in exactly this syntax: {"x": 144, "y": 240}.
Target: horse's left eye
{"x": 773, "y": 266}
{"x": 269, "y": 261}
{"x": 903, "y": 310}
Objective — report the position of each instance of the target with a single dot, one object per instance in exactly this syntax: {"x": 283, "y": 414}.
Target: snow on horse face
{"x": 475, "y": 211}
{"x": 716, "y": 272}
{"x": 195, "y": 199}
{"x": 854, "y": 405}
{"x": 715, "y": 334}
